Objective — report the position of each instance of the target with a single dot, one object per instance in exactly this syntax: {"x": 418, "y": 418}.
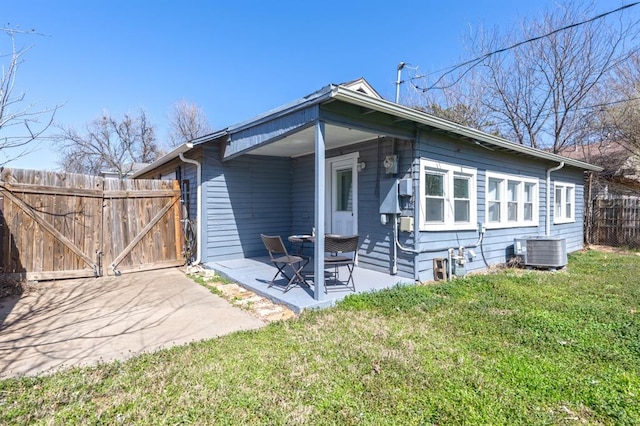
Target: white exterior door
{"x": 342, "y": 195}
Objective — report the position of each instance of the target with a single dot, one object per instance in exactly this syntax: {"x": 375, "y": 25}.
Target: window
{"x": 344, "y": 180}
{"x": 529, "y": 197}
{"x": 564, "y": 202}
{"x": 511, "y": 201}
{"x": 448, "y": 195}
{"x": 434, "y": 192}
{"x": 494, "y": 201}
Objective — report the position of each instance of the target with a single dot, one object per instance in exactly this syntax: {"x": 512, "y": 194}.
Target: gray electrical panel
{"x": 406, "y": 187}
{"x": 389, "y": 203}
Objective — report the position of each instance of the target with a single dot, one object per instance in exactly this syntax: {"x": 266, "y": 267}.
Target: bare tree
{"x": 187, "y": 121}
{"x": 108, "y": 143}
{"x": 21, "y": 122}
{"x": 620, "y": 113}
{"x": 536, "y": 92}
{"x": 461, "y": 106}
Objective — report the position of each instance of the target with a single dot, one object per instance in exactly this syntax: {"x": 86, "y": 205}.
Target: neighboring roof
{"x": 617, "y": 160}
{"x": 593, "y": 151}
{"x": 132, "y": 167}
{"x": 362, "y": 96}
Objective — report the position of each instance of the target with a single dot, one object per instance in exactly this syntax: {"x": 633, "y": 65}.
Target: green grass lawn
{"x": 515, "y": 347}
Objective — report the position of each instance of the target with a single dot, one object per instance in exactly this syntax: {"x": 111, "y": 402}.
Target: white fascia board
{"x": 175, "y": 153}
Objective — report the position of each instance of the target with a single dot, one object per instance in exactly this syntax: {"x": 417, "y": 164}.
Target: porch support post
{"x": 318, "y": 254}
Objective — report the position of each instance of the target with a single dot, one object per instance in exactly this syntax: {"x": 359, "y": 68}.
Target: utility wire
{"x": 476, "y": 61}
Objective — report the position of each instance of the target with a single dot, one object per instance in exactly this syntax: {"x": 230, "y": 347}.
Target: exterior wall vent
{"x": 541, "y": 252}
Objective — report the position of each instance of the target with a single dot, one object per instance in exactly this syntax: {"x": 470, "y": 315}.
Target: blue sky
{"x": 235, "y": 59}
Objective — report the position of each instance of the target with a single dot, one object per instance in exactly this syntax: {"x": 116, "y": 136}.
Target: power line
{"x": 476, "y": 61}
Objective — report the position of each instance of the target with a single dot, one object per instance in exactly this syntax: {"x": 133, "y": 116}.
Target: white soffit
{"x": 303, "y": 142}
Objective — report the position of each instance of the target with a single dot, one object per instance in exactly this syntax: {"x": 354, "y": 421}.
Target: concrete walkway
{"x": 85, "y": 321}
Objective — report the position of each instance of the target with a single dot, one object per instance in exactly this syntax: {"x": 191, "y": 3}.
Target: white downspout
{"x": 198, "y": 203}
{"x": 547, "y": 225}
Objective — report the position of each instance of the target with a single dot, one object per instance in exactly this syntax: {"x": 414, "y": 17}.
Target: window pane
{"x": 434, "y": 185}
{"x": 569, "y": 212}
{"x": 494, "y": 189}
{"x": 528, "y": 192}
{"x": 461, "y": 210}
{"x": 435, "y": 210}
{"x": 528, "y": 211}
{"x": 512, "y": 212}
{"x": 494, "y": 212}
{"x": 344, "y": 202}
{"x": 512, "y": 190}
{"x": 461, "y": 188}
{"x": 558, "y": 202}
{"x": 568, "y": 200}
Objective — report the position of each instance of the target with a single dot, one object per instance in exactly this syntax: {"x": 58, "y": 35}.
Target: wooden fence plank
{"x": 27, "y": 209}
{"x": 143, "y": 232}
{"x": 55, "y": 225}
{"x": 49, "y": 190}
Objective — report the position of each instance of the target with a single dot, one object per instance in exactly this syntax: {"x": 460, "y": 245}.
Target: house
{"x": 619, "y": 161}
{"x": 128, "y": 168}
{"x": 612, "y": 197}
{"x": 412, "y": 186}
{"x": 620, "y": 164}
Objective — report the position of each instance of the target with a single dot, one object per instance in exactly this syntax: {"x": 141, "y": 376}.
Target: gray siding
{"x": 244, "y": 198}
{"x": 188, "y": 173}
{"x": 375, "y": 239}
{"x": 497, "y": 244}
{"x": 270, "y": 130}
{"x": 572, "y": 232}
{"x": 250, "y": 195}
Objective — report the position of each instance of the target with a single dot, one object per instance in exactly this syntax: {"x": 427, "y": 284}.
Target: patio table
{"x": 299, "y": 241}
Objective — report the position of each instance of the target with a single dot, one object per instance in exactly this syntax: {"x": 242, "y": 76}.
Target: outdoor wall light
{"x": 361, "y": 166}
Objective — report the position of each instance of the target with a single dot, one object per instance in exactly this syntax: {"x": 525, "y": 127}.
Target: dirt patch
{"x": 13, "y": 287}
{"x": 609, "y": 249}
{"x": 239, "y": 296}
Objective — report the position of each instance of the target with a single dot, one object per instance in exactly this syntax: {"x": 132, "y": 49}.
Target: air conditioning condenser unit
{"x": 541, "y": 252}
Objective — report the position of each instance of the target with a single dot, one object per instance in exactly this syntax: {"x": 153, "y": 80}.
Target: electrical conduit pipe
{"x": 449, "y": 250}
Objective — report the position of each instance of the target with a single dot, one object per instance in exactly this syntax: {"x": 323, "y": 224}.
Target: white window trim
{"x": 504, "y": 222}
{"x": 449, "y": 171}
{"x": 564, "y": 218}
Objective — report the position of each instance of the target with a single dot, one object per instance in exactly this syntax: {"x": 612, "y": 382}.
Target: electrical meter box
{"x": 389, "y": 203}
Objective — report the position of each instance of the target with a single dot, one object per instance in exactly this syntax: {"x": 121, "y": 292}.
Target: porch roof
{"x": 288, "y": 130}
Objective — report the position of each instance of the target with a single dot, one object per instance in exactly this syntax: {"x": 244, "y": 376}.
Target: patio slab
{"x": 256, "y": 273}
{"x": 86, "y": 321}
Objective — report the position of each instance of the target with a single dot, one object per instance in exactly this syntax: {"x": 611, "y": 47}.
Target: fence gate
{"x": 62, "y": 225}
{"x": 141, "y": 225}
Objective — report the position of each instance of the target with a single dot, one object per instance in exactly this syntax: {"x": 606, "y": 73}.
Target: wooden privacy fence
{"x": 61, "y": 225}
{"x": 616, "y": 221}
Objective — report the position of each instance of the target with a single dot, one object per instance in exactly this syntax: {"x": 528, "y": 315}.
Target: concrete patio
{"x": 256, "y": 273}
{"x": 86, "y": 321}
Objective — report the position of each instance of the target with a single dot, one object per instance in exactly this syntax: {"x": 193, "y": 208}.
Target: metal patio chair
{"x": 343, "y": 251}
{"x": 281, "y": 259}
